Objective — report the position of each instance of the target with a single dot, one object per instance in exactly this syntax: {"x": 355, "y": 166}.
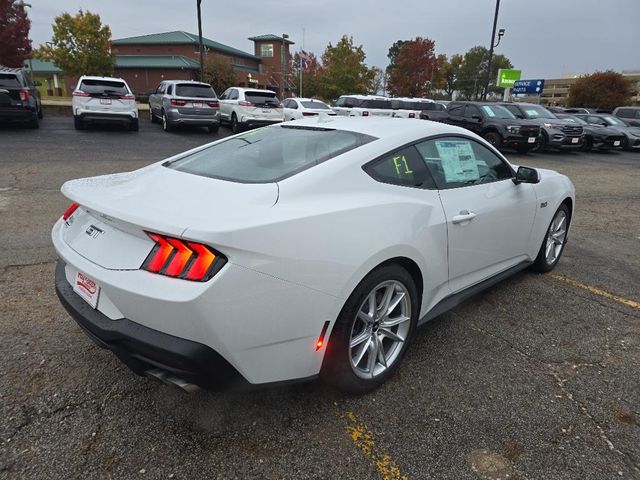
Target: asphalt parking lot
{"x": 536, "y": 378}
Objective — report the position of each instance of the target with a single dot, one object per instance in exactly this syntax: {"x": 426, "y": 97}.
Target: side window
{"x": 594, "y": 120}
{"x": 625, "y": 113}
{"x": 458, "y": 162}
{"x": 403, "y": 167}
{"x": 456, "y": 110}
{"x": 350, "y": 102}
{"x": 515, "y": 110}
{"x": 340, "y": 102}
{"x": 224, "y": 94}
{"x": 233, "y": 94}
{"x": 170, "y": 89}
{"x": 159, "y": 88}
{"x": 471, "y": 110}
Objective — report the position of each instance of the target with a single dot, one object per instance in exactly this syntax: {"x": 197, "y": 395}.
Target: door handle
{"x": 464, "y": 216}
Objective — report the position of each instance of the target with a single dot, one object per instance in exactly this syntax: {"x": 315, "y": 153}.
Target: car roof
{"x": 193, "y": 82}
{"x": 261, "y": 90}
{"x": 304, "y": 99}
{"x": 413, "y": 99}
{"x": 366, "y": 97}
{"x": 93, "y": 77}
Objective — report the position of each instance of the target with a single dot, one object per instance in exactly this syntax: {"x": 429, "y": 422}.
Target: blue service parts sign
{"x": 528, "y": 86}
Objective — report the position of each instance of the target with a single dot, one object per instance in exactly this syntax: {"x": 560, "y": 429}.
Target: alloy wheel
{"x": 556, "y": 237}
{"x": 380, "y": 329}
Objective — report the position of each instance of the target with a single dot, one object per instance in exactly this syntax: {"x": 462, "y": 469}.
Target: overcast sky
{"x": 544, "y": 38}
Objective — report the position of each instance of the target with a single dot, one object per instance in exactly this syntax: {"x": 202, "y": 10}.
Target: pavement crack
{"x": 22, "y": 265}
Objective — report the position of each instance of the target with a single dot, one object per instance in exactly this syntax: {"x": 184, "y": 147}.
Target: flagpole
{"x": 301, "y": 69}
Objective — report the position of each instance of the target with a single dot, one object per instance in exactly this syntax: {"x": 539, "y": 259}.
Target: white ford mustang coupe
{"x": 311, "y": 248}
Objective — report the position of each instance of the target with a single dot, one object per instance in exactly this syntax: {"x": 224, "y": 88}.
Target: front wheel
{"x": 152, "y": 117}
{"x": 554, "y": 241}
{"x": 587, "y": 145}
{"x": 494, "y": 139}
{"x": 235, "y": 125}
{"x": 166, "y": 126}
{"x": 373, "y": 331}
{"x": 541, "y": 144}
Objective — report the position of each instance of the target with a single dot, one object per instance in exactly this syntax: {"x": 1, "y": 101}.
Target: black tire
{"x": 166, "y": 125}
{"x": 235, "y": 125}
{"x": 78, "y": 123}
{"x": 40, "y": 112}
{"x": 541, "y": 264}
{"x": 337, "y": 369}
{"x": 134, "y": 125}
{"x": 494, "y": 138}
{"x": 587, "y": 146}
{"x": 213, "y": 128}
{"x": 152, "y": 117}
{"x": 541, "y": 144}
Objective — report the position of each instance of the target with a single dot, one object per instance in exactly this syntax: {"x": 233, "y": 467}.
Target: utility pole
{"x": 200, "y": 47}
{"x": 493, "y": 37}
{"x": 282, "y": 62}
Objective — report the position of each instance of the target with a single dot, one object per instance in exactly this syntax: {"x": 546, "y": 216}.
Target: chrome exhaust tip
{"x": 172, "y": 380}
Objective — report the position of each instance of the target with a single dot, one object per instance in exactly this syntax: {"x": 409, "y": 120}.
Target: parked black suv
{"x": 19, "y": 97}
{"x": 554, "y": 132}
{"x": 493, "y": 122}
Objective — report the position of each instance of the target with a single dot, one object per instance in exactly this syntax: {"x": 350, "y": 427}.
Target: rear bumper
{"x": 259, "y": 122}
{"x": 17, "y": 114}
{"x": 518, "y": 141}
{"x": 197, "y": 120}
{"x": 143, "y": 349}
{"x": 104, "y": 117}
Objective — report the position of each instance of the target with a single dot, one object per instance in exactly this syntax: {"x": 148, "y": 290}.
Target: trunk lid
{"x": 116, "y": 210}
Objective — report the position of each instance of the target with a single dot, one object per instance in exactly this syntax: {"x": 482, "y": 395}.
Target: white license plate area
{"x": 105, "y": 101}
{"x": 197, "y": 104}
{"x": 531, "y": 140}
{"x": 616, "y": 143}
{"x": 87, "y": 288}
{"x": 266, "y": 110}
{"x": 575, "y": 140}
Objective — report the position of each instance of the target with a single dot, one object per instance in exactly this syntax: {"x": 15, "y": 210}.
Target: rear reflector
{"x": 80, "y": 93}
{"x": 246, "y": 104}
{"x": 323, "y": 332}
{"x": 186, "y": 260}
{"x": 24, "y": 94}
{"x": 127, "y": 97}
{"x": 177, "y": 103}
{"x": 214, "y": 104}
{"x": 412, "y": 115}
{"x": 365, "y": 114}
{"x": 69, "y": 211}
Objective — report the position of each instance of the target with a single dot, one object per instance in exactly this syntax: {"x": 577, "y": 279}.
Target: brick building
{"x": 144, "y": 61}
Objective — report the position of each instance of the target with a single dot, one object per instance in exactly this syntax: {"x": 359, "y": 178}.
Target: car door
{"x": 231, "y": 103}
{"x": 472, "y": 119}
{"x": 224, "y": 107}
{"x": 455, "y": 114}
{"x": 489, "y": 217}
{"x": 155, "y": 99}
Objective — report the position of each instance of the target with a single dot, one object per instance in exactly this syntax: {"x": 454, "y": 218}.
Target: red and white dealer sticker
{"x": 88, "y": 289}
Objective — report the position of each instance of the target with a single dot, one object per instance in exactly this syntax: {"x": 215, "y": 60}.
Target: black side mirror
{"x": 526, "y": 175}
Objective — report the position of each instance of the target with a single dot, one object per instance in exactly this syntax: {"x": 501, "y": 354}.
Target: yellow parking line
{"x": 596, "y": 291}
{"x": 363, "y": 438}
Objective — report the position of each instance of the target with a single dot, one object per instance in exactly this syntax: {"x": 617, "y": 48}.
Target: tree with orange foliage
{"x": 414, "y": 70}
{"x": 605, "y": 90}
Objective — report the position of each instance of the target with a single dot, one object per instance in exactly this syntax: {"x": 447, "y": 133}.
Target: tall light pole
{"x": 200, "y": 47}
{"x": 493, "y": 37}
{"x": 282, "y": 62}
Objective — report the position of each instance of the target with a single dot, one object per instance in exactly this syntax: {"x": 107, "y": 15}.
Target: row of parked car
{"x": 521, "y": 126}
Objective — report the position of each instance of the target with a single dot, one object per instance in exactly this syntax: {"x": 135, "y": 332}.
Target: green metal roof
{"x": 181, "y": 38}
{"x": 270, "y": 36}
{"x": 40, "y": 66}
{"x": 156, "y": 61}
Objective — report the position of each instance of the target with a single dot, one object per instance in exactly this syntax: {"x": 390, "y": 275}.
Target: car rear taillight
{"x": 128, "y": 96}
{"x": 24, "y": 94}
{"x": 309, "y": 114}
{"x": 80, "y": 93}
{"x": 214, "y": 104}
{"x": 177, "y": 103}
{"x": 412, "y": 115}
{"x": 244, "y": 103}
{"x": 69, "y": 211}
{"x": 365, "y": 114}
{"x": 182, "y": 259}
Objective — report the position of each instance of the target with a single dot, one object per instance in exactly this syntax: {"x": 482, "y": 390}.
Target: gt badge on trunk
{"x": 94, "y": 231}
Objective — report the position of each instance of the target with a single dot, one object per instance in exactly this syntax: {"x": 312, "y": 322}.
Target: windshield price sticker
{"x": 488, "y": 110}
{"x": 458, "y": 161}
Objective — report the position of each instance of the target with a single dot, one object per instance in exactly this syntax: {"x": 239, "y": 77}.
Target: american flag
{"x": 305, "y": 58}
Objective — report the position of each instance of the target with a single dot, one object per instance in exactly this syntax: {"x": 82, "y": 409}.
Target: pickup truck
{"x": 493, "y": 122}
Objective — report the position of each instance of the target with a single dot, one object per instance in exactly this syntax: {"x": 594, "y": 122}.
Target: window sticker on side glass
{"x": 532, "y": 113}
{"x": 458, "y": 160}
{"x": 487, "y": 109}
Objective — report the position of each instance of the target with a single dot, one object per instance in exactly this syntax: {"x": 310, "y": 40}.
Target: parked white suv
{"x": 363, "y": 106}
{"x": 249, "y": 107}
{"x": 104, "y": 100}
{"x": 404, "y": 107}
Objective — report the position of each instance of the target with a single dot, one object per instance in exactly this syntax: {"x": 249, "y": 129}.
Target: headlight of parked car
{"x": 552, "y": 125}
{"x": 513, "y": 129}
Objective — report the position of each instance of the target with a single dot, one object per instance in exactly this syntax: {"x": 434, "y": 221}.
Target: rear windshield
{"x": 410, "y": 105}
{"x": 262, "y": 98}
{"x": 380, "y": 104}
{"x": 194, "y": 90}
{"x": 9, "y": 81}
{"x": 315, "y": 105}
{"x": 269, "y": 154}
{"x": 100, "y": 87}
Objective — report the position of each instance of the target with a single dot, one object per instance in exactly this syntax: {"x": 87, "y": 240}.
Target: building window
{"x": 266, "y": 50}
{"x": 238, "y": 61}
